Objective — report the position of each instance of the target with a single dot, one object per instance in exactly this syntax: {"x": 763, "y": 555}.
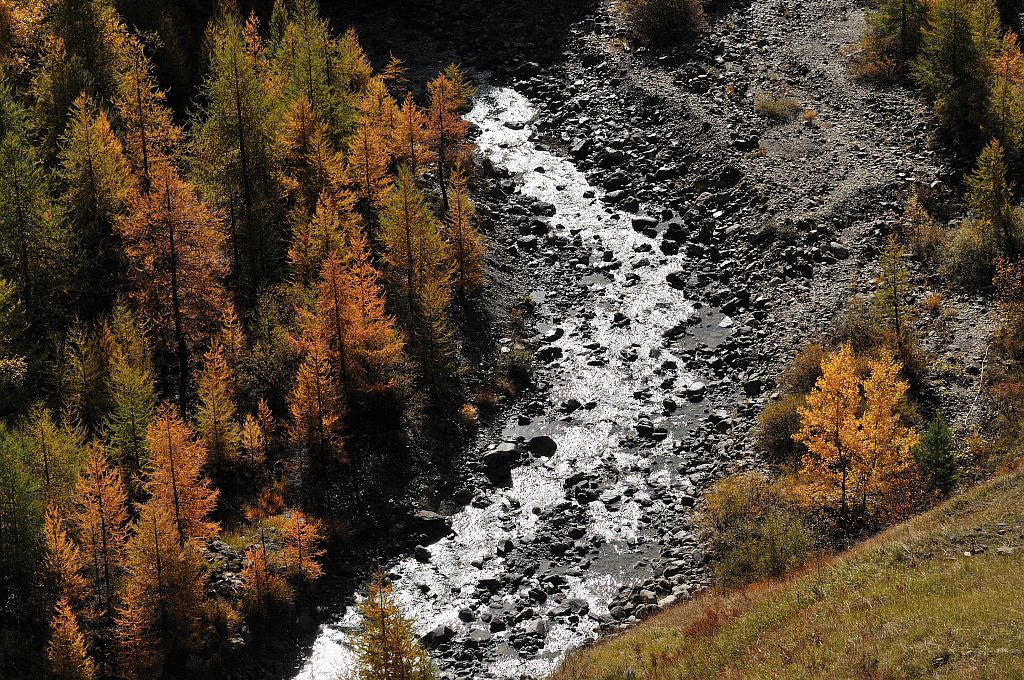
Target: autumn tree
{"x": 311, "y": 163}
{"x": 466, "y": 246}
{"x": 266, "y": 591}
{"x": 96, "y": 191}
{"x": 302, "y": 536}
{"x": 162, "y": 610}
{"x": 173, "y": 242}
{"x": 893, "y": 289}
{"x": 1005, "y": 118}
{"x": 80, "y": 374}
{"x": 176, "y": 481}
{"x": 449, "y": 93}
{"x": 101, "y": 520}
{"x": 369, "y": 159}
{"x": 350, "y": 313}
{"x": 855, "y": 452}
{"x": 410, "y": 141}
{"x": 215, "y": 416}
{"x": 413, "y": 250}
{"x": 133, "y": 396}
{"x": 317, "y": 407}
{"x": 56, "y": 454}
{"x": 386, "y": 647}
{"x": 234, "y": 149}
{"x": 148, "y": 129}
{"x": 66, "y": 651}
{"x": 331, "y": 225}
{"x": 63, "y": 561}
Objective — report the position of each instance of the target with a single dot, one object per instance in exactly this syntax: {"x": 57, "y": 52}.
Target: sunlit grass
{"x": 905, "y": 604}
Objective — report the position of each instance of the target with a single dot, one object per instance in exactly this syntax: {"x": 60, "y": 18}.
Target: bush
{"x": 777, "y": 107}
{"x": 858, "y": 326}
{"x": 925, "y": 236}
{"x": 659, "y": 23}
{"x": 752, "y": 529}
{"x": 935, "y": 458}
{"x": 803, "y": 371}
{"x": 970, "y": 256}
{"x": 776, "y": 425}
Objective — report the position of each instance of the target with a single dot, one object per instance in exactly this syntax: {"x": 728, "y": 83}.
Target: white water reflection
{"x": 432, "y": 593}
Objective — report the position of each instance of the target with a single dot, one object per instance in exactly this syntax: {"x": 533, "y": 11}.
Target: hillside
{"x": 939, "y": 595}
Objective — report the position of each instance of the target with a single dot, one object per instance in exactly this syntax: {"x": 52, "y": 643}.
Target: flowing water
{"x": 605, "y": 362}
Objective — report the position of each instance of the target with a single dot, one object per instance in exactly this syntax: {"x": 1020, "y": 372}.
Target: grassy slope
{"x": 907, "y": 603}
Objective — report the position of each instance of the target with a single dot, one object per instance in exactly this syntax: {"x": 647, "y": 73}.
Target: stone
{"x": 542, "y": 445}
{"x": 438, "y": 635}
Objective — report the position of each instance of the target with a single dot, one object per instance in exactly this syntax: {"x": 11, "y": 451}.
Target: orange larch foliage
{"x": 312, "y": 165}
{"x": 302, "y": 536}
{"x": 215, "y": 414}
{"x": 447, "y": 130}
{"x": 176, "y": 481}
{"x": 410, "y": 141}
{"x": 69, "y": 658}
{"x": 174, "y": 244}
{"x": 265, "y": 589}
{"x": 332, "y": 224}
{"x": 102, "y": 518}
{"x": 317, "y": 408}
{"x": 368, "y": 161}
{"x": 62, "y": 561}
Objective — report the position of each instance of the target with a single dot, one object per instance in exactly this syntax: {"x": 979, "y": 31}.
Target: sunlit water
{"x": 588, "y": 442}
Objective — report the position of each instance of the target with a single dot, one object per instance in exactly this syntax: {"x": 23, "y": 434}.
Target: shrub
{"x": 753, "y": 530}
{"x": 517, "y": 364}
{"x": 858, "y": 326}
{"x": 935, "y": 458}
{"x": 658, "y": 23}
{"x": 925, "y": 236}
{"x": 470, "y": 416}
{"x": 803, "y": 371}
{"x": 970, "y": 255}
{"x": 776, "y": 106}
{"x": 776, "y": 425}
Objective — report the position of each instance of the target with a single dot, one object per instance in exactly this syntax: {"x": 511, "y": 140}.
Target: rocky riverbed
{"x": 682, "y": 248}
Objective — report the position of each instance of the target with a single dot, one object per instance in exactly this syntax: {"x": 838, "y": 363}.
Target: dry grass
{"x": 906, "y": 603}
{"x": 777, "y": 107}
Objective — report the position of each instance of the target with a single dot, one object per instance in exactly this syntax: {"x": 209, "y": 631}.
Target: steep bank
{"x": 936, "y": 596}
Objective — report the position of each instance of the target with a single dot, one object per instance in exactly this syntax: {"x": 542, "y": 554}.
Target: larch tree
{"x": 162, "y": 609}
{"x": 266, "y": 591}
{"x": 66, "y": 651}
{"x": 174, "y": 245}
{"x": 951, "y": 65}
{"x": 56, "y": 454}
{"x": 467, "y": 248}
{"x": 317, "y": 408}
{"x": 829, "y": 430}
{"x": 887, "y": 442}
{"x": 449, "y": 94}
{"x": 302, "y": 536}
{"x": 1006, "y": 96}
{"x": 369, "y": 159}
{"x": 311, "y": 164}
{"x": 413, "y": 250}
{"x": 990, "y": 197}
{"x": 326, "y": 232}
{"x": 80, "y": 375}
{"x": 216, "y": 412}
{"x": 410, "y": 142}
{"x": 891, "y": 296}
{"x": 101, "y": 519}
{"x": 21, "y": 522}
{"x": 235, "y": 152}
{"x": 147, "y": 126}
{"x": 63, "y": 561}
{"x": 894, "y": 28}
{"x": 97, "y": 188}
{"x": 176, "y": 482}
{"x": 386, "y": 647}
{"x": 351, "y": 314}
{"x": 34, "y": 248}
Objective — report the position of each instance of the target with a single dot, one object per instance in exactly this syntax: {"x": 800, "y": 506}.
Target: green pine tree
{"x": 935, "y": 457}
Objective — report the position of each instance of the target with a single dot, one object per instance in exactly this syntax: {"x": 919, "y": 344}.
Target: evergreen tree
{"x": 80, "y": 377}
{"x": 102, "y": 518}
{"x": 21, "y": 522}
{"x": 386, "y": 647}
{"x": 990, "y": 197}
{"x": 96, "y": 191}
{"x": 33, "y": 243}
{"x": 936, "y": 458}
{"x": 893, "y": 289}
{"x": 894, "y": 28}
{"x": 69, "y": 659}
{"x": 56, "y": 454}
{"x": 176, "y": 482}
{"x": 234, "y": 150}
{"x": 951, "y": 66}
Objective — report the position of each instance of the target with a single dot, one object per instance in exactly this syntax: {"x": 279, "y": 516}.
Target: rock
{"x": 430, "y": 524}
{"x": 549, "y": 354}
{"x": 543, "y": 208}
{"x": 542, "y": 445}
{"x": 538, "y": 627}
{"x": 421, "y": 554}
{"x": 753, "y": 387}
{"x": 438, "y": 636}
{"x": 838, "y": 251}
{"x": 644, "y": 224}
{"x": 503, "y": 456}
